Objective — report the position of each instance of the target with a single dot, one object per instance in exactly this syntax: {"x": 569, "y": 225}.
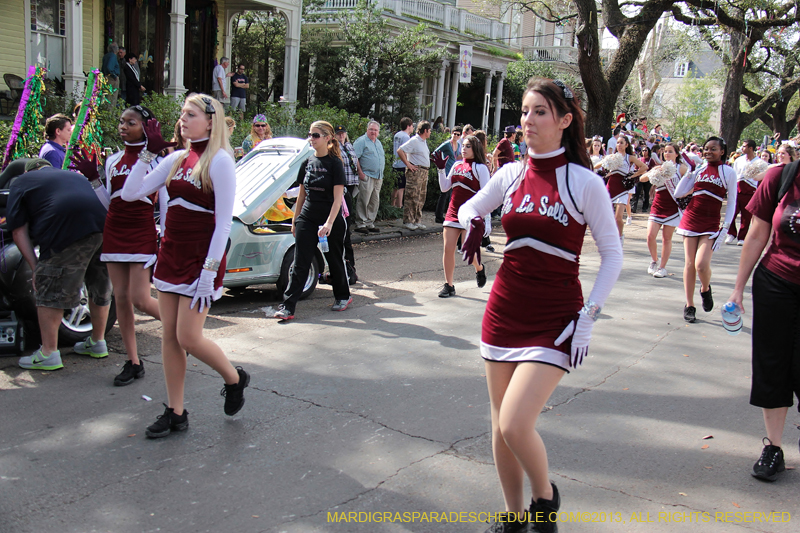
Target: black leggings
{"x": 306, "y": 240}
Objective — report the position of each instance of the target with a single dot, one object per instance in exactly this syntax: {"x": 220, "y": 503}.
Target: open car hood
{"x": 265, "y": 173}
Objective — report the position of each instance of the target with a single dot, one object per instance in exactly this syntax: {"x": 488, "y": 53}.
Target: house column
{"x": 291, "y": 69}
{"x": 498, "y": 105}
{"x": 487, "y": 98}
{"x": 439, "y": 103}
{"x": 177, "y": 48}
{"x": 73, "y": 67}
{"x": 228, "y": 46}
{"x": 451, "y": 116}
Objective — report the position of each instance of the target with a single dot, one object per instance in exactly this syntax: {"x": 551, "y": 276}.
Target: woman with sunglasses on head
{"x": 130, "y": 243}
{"x": 260, "y": 131}
{"x": 536, "y": 326}
{"x": 201, "y": 182}
{"x": 709, "y": 186}
{"x": 465, "y": 178}
{"x": 664, "y": 213}
{"x": 617, "y": 188}
{"x": 317, "y": 214}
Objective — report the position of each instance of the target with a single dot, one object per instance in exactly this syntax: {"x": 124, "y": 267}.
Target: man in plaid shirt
{"x": 351, "y": 169}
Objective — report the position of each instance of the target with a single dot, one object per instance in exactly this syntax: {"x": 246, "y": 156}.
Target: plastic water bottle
{"x": 323, "y": 244}
{"x": 732, "y": 318}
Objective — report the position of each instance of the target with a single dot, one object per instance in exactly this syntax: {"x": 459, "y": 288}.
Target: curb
{"x": 393, "y": 232}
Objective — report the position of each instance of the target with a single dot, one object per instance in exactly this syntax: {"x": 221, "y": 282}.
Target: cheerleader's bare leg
{"x": 619, "y": 210}
{"x": 689, "y": 270}
{"x": 666, "y": 244}
{"x": 703, "y": 262}
{"x": 450, "y": 236}
{"x": 186, "y": 334}
{"x": 518, "y": 392}
{"x": 130, "y": 280}
{"x": 652, "y": 234}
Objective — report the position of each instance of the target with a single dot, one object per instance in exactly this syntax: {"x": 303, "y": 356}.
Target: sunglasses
{"x": 314, "y": 135}
{"x": 209, "y": 108}
{"x": 259, "y": 125}
{"x": 456, "y": 134}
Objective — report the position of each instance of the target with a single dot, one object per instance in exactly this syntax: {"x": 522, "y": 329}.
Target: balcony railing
{"x": 561, "y": 54}
{"x": 446, "y": 16}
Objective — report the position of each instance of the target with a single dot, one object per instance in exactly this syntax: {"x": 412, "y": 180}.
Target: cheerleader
{"x": 709, "y": 185}
{"x": 536, "y": 325}
{"x": 650, "y": 160}
{"x": 201, "y": 182}
{"x": 596, "y": 151}
{"x": 466, "y": 178}
{"x": 664, "y": 213}
{"x": 615, "y": 185}
{"x": 130, "y": 245}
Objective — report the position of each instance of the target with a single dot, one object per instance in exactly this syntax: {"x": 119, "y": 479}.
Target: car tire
{"x": 77, "y": 323}
{"x": 286, "y": 268}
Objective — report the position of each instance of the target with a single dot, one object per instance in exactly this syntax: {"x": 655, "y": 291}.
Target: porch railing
{"x": 562, "y": 54}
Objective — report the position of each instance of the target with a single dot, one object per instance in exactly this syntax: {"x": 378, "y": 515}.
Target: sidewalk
{"x": 394, "y": 229}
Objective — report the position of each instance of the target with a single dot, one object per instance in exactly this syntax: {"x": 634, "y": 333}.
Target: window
{"x": 48, "y": 28}
{"x": 681, "y": 69}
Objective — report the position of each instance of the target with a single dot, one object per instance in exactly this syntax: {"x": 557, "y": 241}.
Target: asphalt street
{"x": 352, "y": 417}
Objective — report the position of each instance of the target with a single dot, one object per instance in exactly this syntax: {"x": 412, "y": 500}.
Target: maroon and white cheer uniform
{"x": 130, "y": 233}
{"x": 465, "y": 179}
{"x": 617, "y": 192}
{"x": 665, "y": 210}
{"x": 546, "y": 208}
{"x": 709, "y": 186}
{"x": 197, "y": 224}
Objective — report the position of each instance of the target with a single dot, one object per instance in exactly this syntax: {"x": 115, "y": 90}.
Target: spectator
{"x": 417, "y": 157}
{"x": 371, "y": 160}
{"x": 260, "y": 131}
{"x": 57, "y": 130}
{"x": 218, "y": 80}
{"x": 123, "y": 80}
{"x": 134, "y": 88}
{"x": 504, "y": 152}
{"x": 351, "y": 166}
{"x": 239, "y": 86}
{"x": 59, "y": 211}
{"x": 438, "y": 124}
{"x": 399, "y": 168}
{"x": 450, "y": 149}
{"x": 523, "y": 148}
{"x": 230, "y": 124}
{"x": 110, "y": 69}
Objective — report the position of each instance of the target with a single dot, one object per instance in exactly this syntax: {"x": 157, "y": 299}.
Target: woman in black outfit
{"x": 318, "y": 213}
{"x": 134, "y": 87}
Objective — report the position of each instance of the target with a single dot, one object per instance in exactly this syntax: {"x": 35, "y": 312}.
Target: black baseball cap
{"x": 339, "y": 129}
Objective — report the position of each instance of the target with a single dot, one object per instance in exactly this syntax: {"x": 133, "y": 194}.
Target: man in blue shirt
{"x": 57, "y": 130}
{"x": 110, "y": 69}
{"x": 371, "y": 159}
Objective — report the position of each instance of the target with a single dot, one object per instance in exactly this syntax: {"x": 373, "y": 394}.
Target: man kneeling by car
{"x": 59, "y": 211}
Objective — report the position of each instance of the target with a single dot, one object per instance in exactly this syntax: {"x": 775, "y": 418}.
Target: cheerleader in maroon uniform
{"x": 129, "y": 243}
{"x": 536, "y": 325}
{"x": 466, "y": 178}
{"x": 616, "y": 185}
{"x": 709, "y": 185}
{"x": 201, "y": 182}
{"x": 664, "y": 213}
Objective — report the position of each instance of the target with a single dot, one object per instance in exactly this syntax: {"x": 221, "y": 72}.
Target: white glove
{"x": 581, "y": 335}
{"x": 720, "y": 238}
{"x": 204, "y": 290}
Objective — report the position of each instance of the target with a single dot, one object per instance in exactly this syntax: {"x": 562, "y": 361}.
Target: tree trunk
{"x": 730, "y": 127}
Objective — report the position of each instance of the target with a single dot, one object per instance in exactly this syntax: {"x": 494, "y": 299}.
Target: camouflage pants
{"x": 414, "y": 197}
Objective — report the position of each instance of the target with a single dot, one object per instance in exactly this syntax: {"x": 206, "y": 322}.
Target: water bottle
{"x": 732, "y": 318}
{"x": 323, "y": 244}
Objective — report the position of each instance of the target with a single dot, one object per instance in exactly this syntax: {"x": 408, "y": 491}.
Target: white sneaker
{"x": 660, "y": 273}
{"x": 730, "y": 239}
{"x": 652, "y": 268}
{"x": 422, "y": 226}
{"x": 740, "y": 243}
{"x": 411, "y": 226}
{"x": 628, "y": 221}
{"x": 622, "y": 240}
